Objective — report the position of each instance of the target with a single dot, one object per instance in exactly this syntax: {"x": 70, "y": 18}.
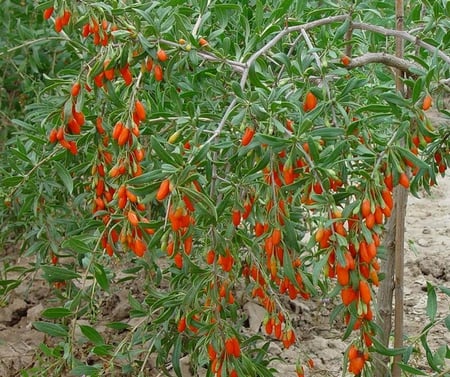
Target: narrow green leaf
{"x": 84, "y": 370}
{"x": 118, "y": 326}
{"x": 447, "y": 322}
{"x": 237, "y": 89}
{"x": 103, "y": 350}
{"x": 101, "y": 277}
{"x": 202, "y": 199}
{"x": 65, "y": 176}
{"x": 341, "y": 30}
{"x": 92, "y": 334}
{"x": 382, "y": 349}
{"x": 431, "y": 302}
{"x": 409, "y": 369}
{"x": 76, "y": 244}
{"x": 54, "y": 313}
{"x": 52, "y": 329}
{"x": 177, "y": 356}
{"x": 444, "y": 290}
{"x": 162, "y": 153}
{"x": 54, "y": 273}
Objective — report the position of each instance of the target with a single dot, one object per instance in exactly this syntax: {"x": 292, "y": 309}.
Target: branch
{"x": 281, "y": 34}
{"x": 404, "y": 35}
{"x": 382, "y": 57}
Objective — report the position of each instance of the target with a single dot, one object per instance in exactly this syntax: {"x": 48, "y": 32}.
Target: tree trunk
{"x": 385, "y": 295}
{"x": 394, "y": 242}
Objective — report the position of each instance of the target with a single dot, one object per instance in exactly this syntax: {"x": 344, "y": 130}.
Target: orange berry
{"x": 139, "y": 247}
{"x": 378, "y": 215}
{"x": 132, "y": 218}
{"x": 117, "y": 130}
{"x": 365, "y": 208}
{"x": 164, "y": 190}
{"x": 236, "y": 217}
{"x": 389, "y": 182}
{"x": 345, "y": 60}
{"x": 53, "y": 135}
{"x": 348, "y": 295}
{"x": 370, "y": 221}
{"x": 202, "y": 42}
{"x": 404, "y": 180}
{"x": 126, "y": 74}
{"x": 65, "y": 17}
{"x": 181, "y": 324}
{"x": 310, "y": 102}
{"x": 158, "y": 73}
{"x": 248, "y": 136}
{"x": 352, "y": 352}
{"x": 48, "y": 13}
{"x": 162, "y": 55}
{"x": 427, "y": 102}
{"x": 387, "y": 198}
{"x": 210, "y": 256}
{"x": 343, "y": 275}
{"x": 123, "y": 137}
{"x": 364, "y": 291}
{"x": 276, "y": 236}
{"x": 140, "y": 110}
{"x": 58, "y": 24}
{"x": 76, "y": 87}
{"x": 356, "y": 365}
{"x": 178, "y": 260}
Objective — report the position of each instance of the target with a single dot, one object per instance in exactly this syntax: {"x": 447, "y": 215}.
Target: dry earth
{"x": 427, "y": 260}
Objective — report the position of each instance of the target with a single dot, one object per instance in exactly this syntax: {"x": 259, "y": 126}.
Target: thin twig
{"x": 199, "y": 21}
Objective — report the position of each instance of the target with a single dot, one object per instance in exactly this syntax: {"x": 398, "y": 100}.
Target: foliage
{"x": 215, "y": 147}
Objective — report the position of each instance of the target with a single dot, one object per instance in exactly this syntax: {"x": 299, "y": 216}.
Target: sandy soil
{"x": 427, "y": 260}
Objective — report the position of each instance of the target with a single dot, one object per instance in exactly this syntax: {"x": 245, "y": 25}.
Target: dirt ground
{"x": 427, "y": 260}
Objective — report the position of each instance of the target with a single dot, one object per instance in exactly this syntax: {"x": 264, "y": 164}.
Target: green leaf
{"x": 447, "y": 322}
{"x": 431, "y": 302}
{"x": 76, "y": 244}
{"x": 341, "y": 30}
{"x": 54, "y": 313}
{"x": 52, "y": 329}
{"x": 65, "y": 176}
{"x": 444, "y": 290}
{"x": 55, "y": 273}
{"x": 177, "y": 356}
{"x": 382, "y": 349}
{"x": 118, "y": 326}
{"x": 85, "y": 370}
{"x": 103, "y": 350}
{"x": 409, "y": 369}
{"x": 162, "y": 153}
{"x": 92, "y": 334}
{"x": 318, "y": 269}
{"x": 202, "y": 199}
{"x": 101, "y": 277}
{"x": 237, "y": 89}
{"x": 11, "y": 181}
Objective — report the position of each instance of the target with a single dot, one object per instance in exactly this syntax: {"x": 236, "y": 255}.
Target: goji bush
{"x": 227, "y": 151}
